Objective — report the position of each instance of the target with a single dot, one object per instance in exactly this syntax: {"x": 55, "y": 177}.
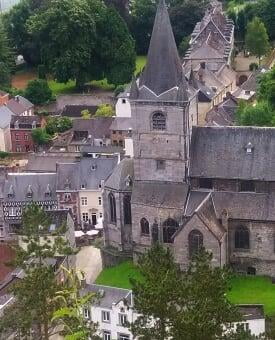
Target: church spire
{"x": 163, "y": 70}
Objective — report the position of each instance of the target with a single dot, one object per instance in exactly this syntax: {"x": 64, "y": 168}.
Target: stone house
{"x": 188, "y": 186}
{"x": 20, "y": 106}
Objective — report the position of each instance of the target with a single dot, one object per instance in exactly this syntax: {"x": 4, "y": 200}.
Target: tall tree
{"x": 6, "y": 59}
{"x": 178, "y": 305}
{"x": 35, "y": 293}
{"x": 266, "y": 11}
{"x": 261, "y": 114}
{"x": 256, "y": 38}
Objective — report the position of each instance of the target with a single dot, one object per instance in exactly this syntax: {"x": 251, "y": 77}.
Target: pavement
{"x": 89, "y": 261}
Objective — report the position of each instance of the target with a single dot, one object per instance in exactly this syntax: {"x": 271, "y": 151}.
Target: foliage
{"x": 266, "y": 11}
{"x": 118, "y": 90}
{"x": 240, "y": 334}
{"x": 260, "y": 114}
{"x": 119, "y": 276}
{"x": 40, "y": 136}
{"x": 253, "y": 67}
{"x": 4, "y": 154}
{"x": 266, "y": 87}
{"x": 85, "y": 114}
{"x": 41, "y": 70}
{"x": 256, "y": 38}
{"x": 58, "y": 125}
{"x": 70, "y": 315}
{"x": 104, "y": 110}
{"x": 90, "y": 42}
{"x": 184, "y": 45}
{"x": 178, "y": 304}
{"x": 35, "y": 292}
{"x": 6, "y": 59}
{"x": 184, "y": 15}
{"x": 38, "y": 91}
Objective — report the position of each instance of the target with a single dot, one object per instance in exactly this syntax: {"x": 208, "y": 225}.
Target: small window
{"x": 127, "y": 209}
{"x": 85, "y": 217}
{"x": 114, "y": 132}
{"x": 160, "y": 164}
{"x": 112, "y": 207}
{"x": 120, "y": 143}
{"x": 18, "y": 148}
{"x": 83, "y": 186}
{"x": 105, "y": 316}
{"x": 122, "y": 319}
{"x": 87, "y": 313}
{"x": 1, "y": 231}
{"x": 17, "y": 137}
{"x": 144, "y": 227}
{"x": 84, "y": 201}
{"x": 123, "y": 101}
{"x": 205, "y": 183}
{"x": 67, "y": 197}
{"x": 247, "y": 186}
{"x": 99, "y": 201}
{"x": 195, "y": 242}
{"x": 26, "y": 137}
{"x": 93, "y": 167}
{"x": 107, "y": 335}
{"x": 100, "y": 215}
{"x": 251, "y": 271}
{"x": 159, "y": 121}
{"x": 170, "y": 226}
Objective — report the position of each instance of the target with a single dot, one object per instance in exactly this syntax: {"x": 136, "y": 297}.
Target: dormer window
{"x": 83, "y": 186}
{"x": 123, "y": 101}
{"x": 16, "y": 125}
{"x": 128, "y": 181}
{"x": 34, "y": 125}
{"x": 249, "y": 148}
{"x": 48, "y": 191}
{"x": 29, "y": 192}
{"x": 93, "y": 167}
{"x": 11, "y": 192}
{"x": 67, "y": 184}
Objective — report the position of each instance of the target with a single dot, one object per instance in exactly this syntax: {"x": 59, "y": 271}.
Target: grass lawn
{"x": 118, "y": 276}
{"x": 61, "y": 88}
{"x": 254, "y": 289}
{"x": 245, "y": 289}
{"x": 140, "y": 63}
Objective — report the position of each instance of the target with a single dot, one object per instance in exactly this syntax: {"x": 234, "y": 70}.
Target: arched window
{"x": 169, "y": 228}
{"x": 242, "y": 238}
{"x": 144, "y": 227}
{"x": 195, "y": 242}
{"x": 158, "y": 121}
{"x": 127, "y": 209}
{"x": 112, "y": 207}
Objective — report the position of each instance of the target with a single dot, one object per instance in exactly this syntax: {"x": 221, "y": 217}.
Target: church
{"x": 189, "y": 186}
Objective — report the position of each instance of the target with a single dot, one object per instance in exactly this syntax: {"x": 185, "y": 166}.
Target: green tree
{"x": 70, "y": 316}
{"x": 35, "y": 293}
{"x": 38, "y": 91}
{"x": 40, "y": 136}
{"x": 85, "y": 114}
{"x": 156, "y": 296}
{"x": 58, "y": 125}
{"x": 266, "y": 11}
{"x": 256, "y": 38}
{"x": 261, "y": 114}
{"x": 104, "y": 110}
{"x": 6, "y": 59}
{"x": 184, "y": 45}
{"x": 179, "y": 305}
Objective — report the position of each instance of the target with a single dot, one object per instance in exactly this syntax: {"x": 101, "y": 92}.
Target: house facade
{"x": 189, "y": 187}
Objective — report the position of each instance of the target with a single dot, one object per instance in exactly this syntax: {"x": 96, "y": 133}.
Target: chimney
{"x": 17, "y": 98}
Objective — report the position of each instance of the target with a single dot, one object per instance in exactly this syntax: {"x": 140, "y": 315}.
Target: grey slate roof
{"x": 74, "y": 111}
{"x": 121, "y": 123}
{"x": 38, "y": 182}
{"x": 110, "y": 295}
{"x": 105, "y": 150}
{"x": 163, "y": 70}
{"x": 88, "y": 172}
{"x": 98, "y": 127}
{"x": 245, "y": 206}
{"x": 169, "y": 195}
{"x": 46, "y": 163}
{"x": 117, "y": 180}
{"x": 220, "y": 152}
{"x": 5, "y": 116}
{"x": 195, "y": 198}
{"x": 222, "y": 114}
{"x": 25, "y": 122}
{"x": 19, "y": 104}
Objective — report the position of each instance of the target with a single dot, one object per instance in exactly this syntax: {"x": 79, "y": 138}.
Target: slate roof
{"x": 38, "y": 182}
{"x": 19, "y": 104}
{"x": 122, "y": 124}
{"x": 74, "y": 111}
{"x": 195, "y": 198}
{"x": 104, "y": 150}
{"x": 220, "y": 152}
{"x": 205, "y": 93}
{"x": 156, "y": 194}
{"x": 88, "y": 172}
{"x": 5, "y": 116}
{"x": 258, "y": 207}
{"x": 117, "y": 180}
{"x": 98, "y": 127}
{"x": 251, "y": 312}
{"x": 163, "y": 70}
{"x": 107, "y": 296}
{"x": 222, "y": 114}
{"x": 25, "y": 122}
{"x": 46, "y": 163}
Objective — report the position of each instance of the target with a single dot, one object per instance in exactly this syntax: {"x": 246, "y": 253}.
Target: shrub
{"x": 38, "y": 91}
{"x": 253, "y": 67}
{"x": 4, "y": 154}
{"x": 105, "y": 110}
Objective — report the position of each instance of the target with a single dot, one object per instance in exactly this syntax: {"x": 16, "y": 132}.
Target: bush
{"x": 184, "y": 45}
{"x": 40, "y": 136}
{"x": 118, "y": 90}
{"x": 58, "y": 125}
{"x": 4, "y": 154}
{"x": 38, "y": 91}
{"x": 105, "y": 110}
{"x": 253, "y": 67}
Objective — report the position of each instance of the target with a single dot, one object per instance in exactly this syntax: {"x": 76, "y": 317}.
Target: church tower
{"x": 164, "y": 108}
